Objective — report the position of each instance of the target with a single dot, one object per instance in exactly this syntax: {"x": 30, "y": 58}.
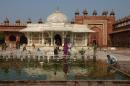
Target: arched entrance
{"x": 23, "y": 39}
{"x": 2, "y": 38}
{"x": 12, "y": 38}
{"x": 94, "y": 42}
{"x": 58, "y": 40}
{"x": 95, "y": 38}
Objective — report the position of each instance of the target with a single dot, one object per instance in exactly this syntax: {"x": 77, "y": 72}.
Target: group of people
{"x": 66, "y": 49}
{"x": 4, "y": 46}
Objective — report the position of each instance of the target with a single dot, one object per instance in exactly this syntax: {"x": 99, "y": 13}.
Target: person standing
{"x": 65, "y": 49}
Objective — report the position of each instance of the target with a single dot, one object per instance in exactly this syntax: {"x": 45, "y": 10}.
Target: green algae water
{"x": 15, "y": 69}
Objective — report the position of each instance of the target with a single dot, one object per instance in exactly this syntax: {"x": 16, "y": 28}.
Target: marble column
{"x": 28, "y": 38}
{"x": 51, "y": 38}
{"x": 42, "y": 38}
{"x": 63, "y": 37}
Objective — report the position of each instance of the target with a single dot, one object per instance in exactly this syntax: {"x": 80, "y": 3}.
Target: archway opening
{"x": 95, "y": 38}
{"x": 58, "y": 40}
{"x": 2, "y": 38}
{"x": 12, "y": 38}
{"x": 23, "y": 39}
{"x": 94, "y": 42}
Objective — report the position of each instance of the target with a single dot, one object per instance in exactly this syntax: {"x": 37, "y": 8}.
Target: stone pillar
{"x": 63, "y": 36}
{"x": 88, "y": 39}
{"x": 7, "y": 39}
{"x": 28, "y": 38}
{"x": 42, "y": 39}
{"x": 17, "y": 38}
{"x": 72, "y": 39}
{"x": 51, "y": 38}
{"x": 86, "y": 36}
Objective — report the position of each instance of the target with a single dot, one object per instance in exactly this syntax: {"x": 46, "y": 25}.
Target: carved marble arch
{"x": 23, "y": 39}
{"x": 95, "y": 37}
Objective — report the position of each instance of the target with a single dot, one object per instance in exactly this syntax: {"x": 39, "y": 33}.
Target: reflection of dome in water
{"x": 57, "y": 17}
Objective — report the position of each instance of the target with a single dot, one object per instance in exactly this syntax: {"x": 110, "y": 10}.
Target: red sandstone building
{"x": 120, "y": 37}
{"x": 101, "y": 24}
{"x": 9, "y": 33}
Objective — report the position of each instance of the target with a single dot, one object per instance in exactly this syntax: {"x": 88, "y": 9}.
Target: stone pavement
{"x": 122, "y": 55}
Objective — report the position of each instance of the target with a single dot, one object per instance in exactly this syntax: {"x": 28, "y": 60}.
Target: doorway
{"x": 58, "y": 40}
{"x": 94, "y": 42}
{"x": 23, "y": 39}
{"x": 12, "y": 38}
{"x": 2, "y": 38}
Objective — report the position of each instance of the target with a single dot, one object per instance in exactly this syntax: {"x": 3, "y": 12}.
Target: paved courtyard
{"x": 121, "y": 54}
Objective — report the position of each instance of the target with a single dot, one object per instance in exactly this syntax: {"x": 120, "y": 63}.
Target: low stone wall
{"x": 65, "y": 83}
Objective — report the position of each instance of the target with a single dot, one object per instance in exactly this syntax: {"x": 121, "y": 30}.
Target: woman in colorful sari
{"x": 65, "y": 49}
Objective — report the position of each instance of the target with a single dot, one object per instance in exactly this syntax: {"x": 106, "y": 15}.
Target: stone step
{"x": 65, "y": 83}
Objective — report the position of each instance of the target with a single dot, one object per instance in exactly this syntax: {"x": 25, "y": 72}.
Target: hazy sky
{"x": 36, "y": 9}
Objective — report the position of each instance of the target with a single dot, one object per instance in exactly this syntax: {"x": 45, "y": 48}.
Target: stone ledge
{"x": 66, "y": 83}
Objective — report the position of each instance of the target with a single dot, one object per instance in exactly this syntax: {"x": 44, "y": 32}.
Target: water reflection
{"x": 57, "y": 69}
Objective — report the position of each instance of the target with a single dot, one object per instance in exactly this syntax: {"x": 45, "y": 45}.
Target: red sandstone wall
{"x": 108, "y": 21}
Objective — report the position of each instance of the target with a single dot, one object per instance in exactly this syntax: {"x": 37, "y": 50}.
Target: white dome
{"x": 57, "y": 17}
